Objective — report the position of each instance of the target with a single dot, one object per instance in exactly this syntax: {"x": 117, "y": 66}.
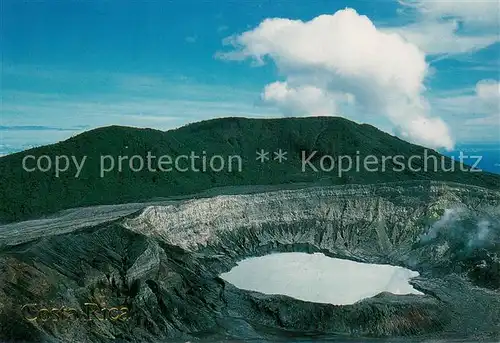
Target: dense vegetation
{"x": 26, "y": 195}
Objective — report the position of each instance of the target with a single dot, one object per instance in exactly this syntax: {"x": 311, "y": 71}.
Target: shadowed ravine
{"x": 162, "y": 261}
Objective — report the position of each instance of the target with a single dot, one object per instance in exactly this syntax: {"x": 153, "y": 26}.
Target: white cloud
{"x": 336, "y": 60}
{"x": 488, "y": 98}
{"x": 222, "y": 28}
{"x": 451, "y": 27}
{"x": 477, "y": 109}
{"x": 424, "y": 33}
{"x": 484, "y": 121}
{"x": 484, "y": 99}
{"x": 489, "y": 91}
{"x": 479, "y": 13}
{"x": 303, "y": 99}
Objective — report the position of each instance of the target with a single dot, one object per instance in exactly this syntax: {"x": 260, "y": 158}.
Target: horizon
{"x": 167, "y": 65}
{"x": 489, "y": 161}
{"x": 486, "y": 161}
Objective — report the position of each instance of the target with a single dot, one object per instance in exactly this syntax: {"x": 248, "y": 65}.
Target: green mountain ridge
{"x": 25, "y": 195}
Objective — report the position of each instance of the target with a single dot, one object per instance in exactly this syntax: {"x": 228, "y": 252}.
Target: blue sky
{"x": 68, "y": 66}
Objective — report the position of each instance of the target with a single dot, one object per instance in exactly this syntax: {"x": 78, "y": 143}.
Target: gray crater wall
{"x": 163, "y": 260}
